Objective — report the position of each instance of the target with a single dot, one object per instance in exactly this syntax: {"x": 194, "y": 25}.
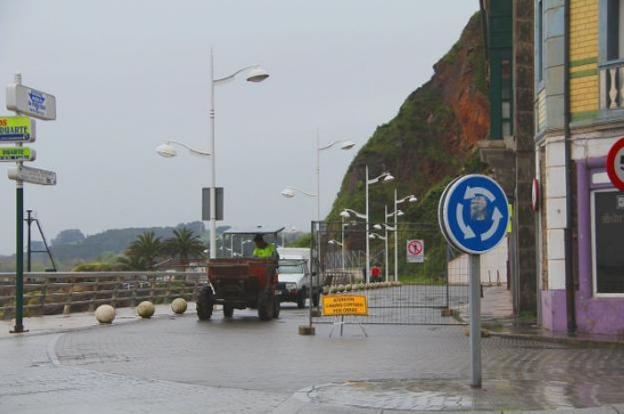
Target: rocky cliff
{"x": 432, "y": 138}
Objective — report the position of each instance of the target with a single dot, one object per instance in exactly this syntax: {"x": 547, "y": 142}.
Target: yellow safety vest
{"x": 267, "y": 253}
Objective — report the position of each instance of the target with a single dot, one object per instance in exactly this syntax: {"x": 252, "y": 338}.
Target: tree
{"x": 304, "y": 241}
{"x": 145, "y": 250}
{"x": 184, "y": 244}
{"x": 131, "y": 263}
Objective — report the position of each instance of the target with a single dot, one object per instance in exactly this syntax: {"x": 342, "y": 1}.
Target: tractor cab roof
{"x": 254, "y": 230}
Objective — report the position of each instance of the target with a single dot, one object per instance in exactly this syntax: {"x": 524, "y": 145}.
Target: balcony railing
{"x": 612, "y": 86}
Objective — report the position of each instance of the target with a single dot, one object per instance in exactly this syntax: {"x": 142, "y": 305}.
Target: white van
{"x": 293, "y": 275}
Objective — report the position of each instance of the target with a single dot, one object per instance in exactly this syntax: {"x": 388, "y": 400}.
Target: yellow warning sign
{"x": 342, "y": 305}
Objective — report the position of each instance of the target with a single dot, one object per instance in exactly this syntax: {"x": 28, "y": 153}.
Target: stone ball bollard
{"x": 105, "y": 314}
{"x": 178, "y": 306}
{"x": 146, "y": 309}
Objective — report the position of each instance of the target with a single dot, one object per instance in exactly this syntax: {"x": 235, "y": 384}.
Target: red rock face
{"x": 437, "y": 128}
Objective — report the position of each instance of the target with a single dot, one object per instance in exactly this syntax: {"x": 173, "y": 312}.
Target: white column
{"x": 213, "y": 183}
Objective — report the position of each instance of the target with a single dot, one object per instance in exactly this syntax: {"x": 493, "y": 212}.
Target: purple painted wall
{"x": 554, "y": 310}
{"x": 593, "y": 315}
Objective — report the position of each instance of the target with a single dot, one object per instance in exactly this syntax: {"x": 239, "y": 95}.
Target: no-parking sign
{"x": 615, "y": 164}
{"x": 415, "y": 251}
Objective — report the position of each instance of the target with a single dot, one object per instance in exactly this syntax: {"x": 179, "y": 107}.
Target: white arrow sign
{"x": 33, "y": 175}
{"x": 467, "y": 230}
{"x": 472, "y": 192}
{"x": 497, "y": 216}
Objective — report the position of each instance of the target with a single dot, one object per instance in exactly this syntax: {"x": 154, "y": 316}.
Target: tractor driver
{"x": 263, "y": 249}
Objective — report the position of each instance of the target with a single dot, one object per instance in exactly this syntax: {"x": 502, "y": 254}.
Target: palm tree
{"x": 130, "y": 263}
{"x": 184, "y": 244}
{"x": 145, "y": 250}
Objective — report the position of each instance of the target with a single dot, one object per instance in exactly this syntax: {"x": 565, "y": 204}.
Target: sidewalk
{"x": 498, "y": 320}
{"x": 39, "y": 325}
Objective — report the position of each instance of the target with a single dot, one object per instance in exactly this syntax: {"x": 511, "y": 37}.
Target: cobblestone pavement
{"x": 244, "y": 365}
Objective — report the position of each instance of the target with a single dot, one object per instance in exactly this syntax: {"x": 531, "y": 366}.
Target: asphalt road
{"x": 244, "y": 365}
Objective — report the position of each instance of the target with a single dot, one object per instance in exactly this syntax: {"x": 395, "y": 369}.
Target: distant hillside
{"x": 71, "y": 246}
{"x": 432, "y": 139}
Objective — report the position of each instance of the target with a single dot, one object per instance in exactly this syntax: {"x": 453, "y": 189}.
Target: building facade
{"x": 508, "y": 33}
{"x": 578, "y": 115}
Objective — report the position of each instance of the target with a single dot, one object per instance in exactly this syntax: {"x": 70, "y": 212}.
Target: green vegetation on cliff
{"x": 432, "y": 139}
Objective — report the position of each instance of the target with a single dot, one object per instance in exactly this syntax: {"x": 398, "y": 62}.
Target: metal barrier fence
{"x": 53, "y": 293}
{"x": 425, "y": 295}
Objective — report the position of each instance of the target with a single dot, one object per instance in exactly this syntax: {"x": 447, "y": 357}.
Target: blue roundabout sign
{"x": 474, "y": 213}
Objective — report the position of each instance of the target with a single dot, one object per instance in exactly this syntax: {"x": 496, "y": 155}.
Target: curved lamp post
{"x": 396, "y": 214}
{"x": 255, "y": 73}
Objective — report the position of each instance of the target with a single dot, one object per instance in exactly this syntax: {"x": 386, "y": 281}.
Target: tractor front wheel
{"x": 266, "y": 306}
{"x": 204, "y": 303}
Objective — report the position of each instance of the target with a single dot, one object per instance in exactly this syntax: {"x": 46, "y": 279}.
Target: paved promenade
{"x": 242, "y": 365}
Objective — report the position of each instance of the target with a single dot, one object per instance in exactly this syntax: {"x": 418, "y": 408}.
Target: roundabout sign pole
{"x": 473, "y": 216}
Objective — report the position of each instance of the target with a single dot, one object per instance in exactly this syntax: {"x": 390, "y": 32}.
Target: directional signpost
{"x": 474, "y": 215}
{"x": 17, "y": 154}
{"x": 18, "y": 130}
{"x": 615, "y": 164}
{"x": 32, "y": 175}
{"x": 29, "y": 101}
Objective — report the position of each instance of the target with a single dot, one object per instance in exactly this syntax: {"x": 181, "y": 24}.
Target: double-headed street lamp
{"x": 255, "y": 74}
{"x": 374, "y": 236}
{"x": 396, "y": 213}
{"x": 384, "y": 177}
{"x": 290, "y": 192}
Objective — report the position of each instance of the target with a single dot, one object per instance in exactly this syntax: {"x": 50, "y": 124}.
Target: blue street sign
{"x": 474, "y": 214}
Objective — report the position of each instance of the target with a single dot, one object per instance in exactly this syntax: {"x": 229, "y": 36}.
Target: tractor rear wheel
{"x": 204, "y": 303}
{"x": 266, "y": 306}
{"x": 276, "y": 307}
{"x": 228, "y": 310}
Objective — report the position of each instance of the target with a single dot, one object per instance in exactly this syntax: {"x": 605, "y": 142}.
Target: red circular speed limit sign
{"x": 615, "y": 164}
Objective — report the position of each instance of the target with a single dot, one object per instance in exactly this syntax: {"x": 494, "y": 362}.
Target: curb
{"x": 577, "y": 342}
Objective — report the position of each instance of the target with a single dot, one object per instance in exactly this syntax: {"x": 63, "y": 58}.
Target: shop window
{"x": 607, "y": 246}
{"x": 615, "y": 29}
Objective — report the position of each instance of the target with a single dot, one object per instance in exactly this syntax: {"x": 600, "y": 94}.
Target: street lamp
{"x": 346, "y": 213}
{"x": 385, "y": 239}
{"x": 290, "y": 192}
{"x": 384, "y": 177}
{"x": 255, "y": 74}
{"x": 396, "y": 214}
{"x": 344, "y": 145}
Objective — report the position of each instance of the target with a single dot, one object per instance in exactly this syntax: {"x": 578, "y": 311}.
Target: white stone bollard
{"x": 146, "y": 309}
{"x": 178, "y": 306}
{"x": 105, "y": 314}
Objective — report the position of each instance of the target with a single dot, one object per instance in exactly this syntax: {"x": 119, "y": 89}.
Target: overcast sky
{"x": 129, "y": 74}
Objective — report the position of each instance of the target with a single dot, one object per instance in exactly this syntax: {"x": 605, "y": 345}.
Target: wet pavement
{"x": 244, "y": 365}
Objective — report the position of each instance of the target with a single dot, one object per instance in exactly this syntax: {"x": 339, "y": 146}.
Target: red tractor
{"x": 239, "y": 282}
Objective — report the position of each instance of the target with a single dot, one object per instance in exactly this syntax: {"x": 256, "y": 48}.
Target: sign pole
{"x": 19, "y": 243}
{"x": 475, "y": 321}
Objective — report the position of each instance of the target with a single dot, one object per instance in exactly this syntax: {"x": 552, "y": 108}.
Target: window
{"x": 615, "y": 29}
{"x": 506, "y": 97}
{"x": 607, "y": 246}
